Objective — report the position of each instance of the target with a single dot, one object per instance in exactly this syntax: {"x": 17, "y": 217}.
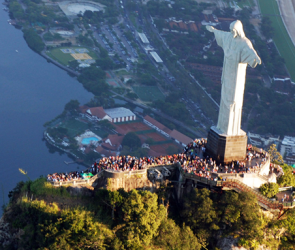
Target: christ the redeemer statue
{"x": 238, "y": 52}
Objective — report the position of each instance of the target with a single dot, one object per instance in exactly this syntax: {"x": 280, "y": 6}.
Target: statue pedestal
{"x": 226, "y": 148}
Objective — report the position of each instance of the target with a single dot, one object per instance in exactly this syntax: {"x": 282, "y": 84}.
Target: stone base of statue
{"x": 226, "y": 148}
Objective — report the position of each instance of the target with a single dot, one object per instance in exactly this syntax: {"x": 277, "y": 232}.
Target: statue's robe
{"x": 238, "y": 52}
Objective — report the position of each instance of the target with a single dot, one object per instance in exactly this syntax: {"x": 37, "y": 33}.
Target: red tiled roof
{"x": 193, "y": 27}
{"x": 157, "y": 124}
{"x": 182, "y": 25}
{"x": 105, "y": 152}
{"x": 87, "y": 150}
{"x": 98, "y": 112}
{"x": 83, "y": 109}
{"x": 180, "y": 137}
{"x": 116, "y": 141}
{"x": 172, "y": 24}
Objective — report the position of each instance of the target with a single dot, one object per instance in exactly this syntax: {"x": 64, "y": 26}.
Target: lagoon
{"x": 32, "y": 91}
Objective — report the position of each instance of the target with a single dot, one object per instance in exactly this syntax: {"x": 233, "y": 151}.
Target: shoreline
{"x": 64, "y": 150}
{"x": 43, "y": 54}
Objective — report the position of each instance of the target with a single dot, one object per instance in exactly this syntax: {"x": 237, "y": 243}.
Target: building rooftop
{"x": 112, "y": 142}
{"x": 157, "y": 124}
{"x": 119, "y": 112}
{"x": 97, "y": 111}
{"x": 156, "y": 57}
{"x": 180, "y": 137}
{"x": 143, "y": 38}
{"x": 289, "y": 140}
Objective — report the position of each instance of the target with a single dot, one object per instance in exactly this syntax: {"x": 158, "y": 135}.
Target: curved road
{"x": 287, "y": 11}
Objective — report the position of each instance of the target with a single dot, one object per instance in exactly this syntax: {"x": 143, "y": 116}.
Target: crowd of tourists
{"x": 193, "y": 160}
{"x": 71, "y": 176}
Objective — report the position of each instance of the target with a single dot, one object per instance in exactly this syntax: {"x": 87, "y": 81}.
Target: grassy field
{"x": 64, "y": 58}
{"x": 148, "y": 93}
{"x": 281, "y": 38}
{"x": 74, "y": 127}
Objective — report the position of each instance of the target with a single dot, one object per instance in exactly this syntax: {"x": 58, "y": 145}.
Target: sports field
{"x": 64, "y": 58}
{"x": 74, "y": 127}
{"x": 281, "y": 38}
{"x": 148, "y": 93}
{"x": 132, "y": 126}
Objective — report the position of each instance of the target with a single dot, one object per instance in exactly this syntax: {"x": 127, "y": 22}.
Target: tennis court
{"x": 132, "y": 127}
{"x": 81, "y": 56}
{"x": 148, "y": 93}
{"x": 64, "y": 55}
{"x": 67, "y": 51}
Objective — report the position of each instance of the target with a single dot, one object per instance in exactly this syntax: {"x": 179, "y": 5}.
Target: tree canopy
{"x": 33, "y": 40}
{"x": 131, "y": 140}
{"x": 269, "y": 189}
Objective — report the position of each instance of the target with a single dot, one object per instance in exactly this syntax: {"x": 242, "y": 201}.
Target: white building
{"x": 262, "y": 141}
{"x": 156, "y": 57}
{"x": 143, "y": 38}
{"x": 113, "y": 115}
{"x": 288, "y": 146}
{"x": 120, "y": 115}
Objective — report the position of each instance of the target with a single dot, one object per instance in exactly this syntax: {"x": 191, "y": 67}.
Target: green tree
{"x": 287, "y": 179}
{"x": 33, "y": 40}
{"x": 199, "y": 213}
{"x": 142, "y": 216}
{"x": 266, "y": 27}
{"x": 131, "y": 140}
{"x": 73, "y": 64}
{"x": 171, "y": 236}
{"x": 85, "y": 40}
{"x": 269, "y": 189}
{"x": 288, "y": 223}
{"x": 274, "y": 154}
{"x": 239, "y": 215}
{"x": 16, "y": 9}
{"x": 105, "y": 63}
{"x": 93, "y": 79}
{"x": 72, "y": 105}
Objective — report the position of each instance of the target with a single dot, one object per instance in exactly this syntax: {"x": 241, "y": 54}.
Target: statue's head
{"x": 236, "y": 28}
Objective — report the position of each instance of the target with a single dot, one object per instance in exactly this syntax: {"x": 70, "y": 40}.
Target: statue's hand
{"x": 210, "y": 28}
{"x": 258, "y": 60}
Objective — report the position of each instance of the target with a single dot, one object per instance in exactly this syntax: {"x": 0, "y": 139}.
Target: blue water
{"x": 32, "y": 91}
{"x": 88, "y": 140}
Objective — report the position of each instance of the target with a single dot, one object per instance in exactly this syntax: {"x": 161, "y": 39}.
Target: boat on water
{"x": 16, "y": 51}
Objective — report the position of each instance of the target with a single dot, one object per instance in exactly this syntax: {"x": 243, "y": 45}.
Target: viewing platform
{"x": 189, "y": 169}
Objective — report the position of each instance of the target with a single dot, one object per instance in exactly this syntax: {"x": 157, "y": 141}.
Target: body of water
{"x": 32, "y": 91}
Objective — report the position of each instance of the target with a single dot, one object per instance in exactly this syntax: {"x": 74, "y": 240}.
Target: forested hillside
{"x": 43, "y": 217}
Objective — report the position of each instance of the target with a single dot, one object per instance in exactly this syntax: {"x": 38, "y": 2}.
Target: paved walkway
{"x": 248, "y": 164}
{"x": 286, "y": 195}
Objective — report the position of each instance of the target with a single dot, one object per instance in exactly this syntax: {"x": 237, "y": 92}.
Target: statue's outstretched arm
{"x": 210, "y": 28}
{"x": 256, "y": 61}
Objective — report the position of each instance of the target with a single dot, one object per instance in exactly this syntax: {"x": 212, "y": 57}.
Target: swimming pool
{"x": 88, "y": 140}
